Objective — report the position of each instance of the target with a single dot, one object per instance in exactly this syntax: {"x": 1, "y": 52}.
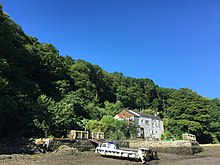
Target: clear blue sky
{"x": 176, "y": 43}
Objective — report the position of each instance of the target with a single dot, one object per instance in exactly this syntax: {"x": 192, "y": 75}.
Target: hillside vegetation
{"x": 45, "y": 94}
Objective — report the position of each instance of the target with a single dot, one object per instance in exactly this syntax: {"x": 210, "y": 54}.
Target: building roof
{"x": 133, "y": 113}
{"x": 149, "y": 116}
{"x": 139, "y": 114}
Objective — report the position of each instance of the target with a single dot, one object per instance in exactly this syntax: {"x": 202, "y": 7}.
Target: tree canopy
{"x": 45, "y": 94}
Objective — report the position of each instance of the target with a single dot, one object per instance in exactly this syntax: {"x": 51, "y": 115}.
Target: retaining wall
{"x": 177, "y": 147}
{"x": 51, "y": 144}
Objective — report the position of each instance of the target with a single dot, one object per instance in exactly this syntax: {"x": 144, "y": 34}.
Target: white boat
{"x": 142, "y": 154}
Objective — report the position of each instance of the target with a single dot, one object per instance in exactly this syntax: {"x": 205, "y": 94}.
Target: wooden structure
{"x": 97, "y": 135}
{"x": 76, "y": 134}
{"x": 189, "y": 137}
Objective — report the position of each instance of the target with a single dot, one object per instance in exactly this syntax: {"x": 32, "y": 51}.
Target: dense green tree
{"x": 160, "y": 103}
{"x": 96, "y": 126}
{"x": 188, "y": 112}
{"x": 135, "y": 93}
{"x": 113, "y": 108}
{"x": 113, "y": 129}
{"x": 214, "y": 111}
{"x": 44, "y": 94}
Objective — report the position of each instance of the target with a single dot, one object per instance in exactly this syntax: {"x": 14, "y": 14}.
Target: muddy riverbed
{"x": 210, "y": 156}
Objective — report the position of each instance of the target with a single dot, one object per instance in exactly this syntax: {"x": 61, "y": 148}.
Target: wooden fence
{"x": 75, "y": 134}
{"x": 189, "y": 137}
{"x": 97, "y": 135}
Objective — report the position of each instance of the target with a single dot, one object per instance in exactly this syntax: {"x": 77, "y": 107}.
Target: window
{"x": 136, "y": 120}
{"x": 147, "y": 122}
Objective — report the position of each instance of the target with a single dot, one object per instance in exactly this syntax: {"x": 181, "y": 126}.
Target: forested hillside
{"x": 45, "y": 94}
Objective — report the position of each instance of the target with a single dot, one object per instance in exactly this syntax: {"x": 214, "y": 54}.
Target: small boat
{"x": 140, "y": 154}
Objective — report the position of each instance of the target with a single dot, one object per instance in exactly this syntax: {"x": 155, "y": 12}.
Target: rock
{"x": 3, "y": 157}
{"x": 66, "y": 150}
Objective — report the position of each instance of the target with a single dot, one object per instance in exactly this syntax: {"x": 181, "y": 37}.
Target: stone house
{"x": 148, "y": 126}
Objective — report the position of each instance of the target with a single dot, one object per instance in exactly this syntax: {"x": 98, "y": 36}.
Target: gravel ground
{"x": 210, "y": 156}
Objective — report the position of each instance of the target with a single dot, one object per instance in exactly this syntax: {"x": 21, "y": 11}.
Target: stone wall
{"x": 177, "y": 147}
{"x": 81, "y": 145}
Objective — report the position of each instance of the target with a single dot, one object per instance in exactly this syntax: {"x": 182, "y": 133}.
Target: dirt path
{"x": 210, "y": 156}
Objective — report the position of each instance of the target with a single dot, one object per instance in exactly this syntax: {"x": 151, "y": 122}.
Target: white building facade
{"x": 148, "y": 126}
